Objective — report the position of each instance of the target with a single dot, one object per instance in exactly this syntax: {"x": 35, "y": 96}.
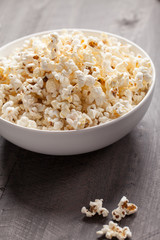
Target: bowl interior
{"x": 9, "y": 48}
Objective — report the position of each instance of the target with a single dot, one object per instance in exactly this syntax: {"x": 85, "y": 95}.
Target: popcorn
{"x": 9, "y": 111}
{"x": 90, "y": 81}
{"x": 80, "y": 78}
{"x": 51, "y": 87}
{"x": 113, "y": 230}
{"x": 95, "y": 207}
{"x": 71, "y": 81}
{"x": 124, "y": 208}
{"x": 25, "y": 122}
{"x": 15, "y": 82}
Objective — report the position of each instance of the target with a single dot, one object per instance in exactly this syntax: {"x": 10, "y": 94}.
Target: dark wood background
{"x": 41, "y": 196}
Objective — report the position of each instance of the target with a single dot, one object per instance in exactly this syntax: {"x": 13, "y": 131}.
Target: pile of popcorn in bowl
{"x": 71, "y": 81}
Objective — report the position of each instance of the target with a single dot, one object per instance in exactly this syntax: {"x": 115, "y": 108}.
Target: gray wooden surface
{"x": 41, "y": 196}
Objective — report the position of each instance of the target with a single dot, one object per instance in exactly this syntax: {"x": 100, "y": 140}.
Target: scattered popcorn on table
{"x": 70, "y": 81}
{"x": 124, "y": 208}
{"x": 95, "y": 207}
{"x": 113, "y": 230}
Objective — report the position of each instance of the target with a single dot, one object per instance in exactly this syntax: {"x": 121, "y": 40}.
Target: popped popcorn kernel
{"x": 124, "y": 208}
{"x": 113, "y": 230}
{"x": 70, "y": 81}
{"x": 95, "y": 207}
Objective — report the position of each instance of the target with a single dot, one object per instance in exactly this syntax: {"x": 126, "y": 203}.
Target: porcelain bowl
{"x": 75, "y": 141}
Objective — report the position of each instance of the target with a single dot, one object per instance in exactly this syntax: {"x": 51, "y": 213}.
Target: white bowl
{"x": 75, "y": 141}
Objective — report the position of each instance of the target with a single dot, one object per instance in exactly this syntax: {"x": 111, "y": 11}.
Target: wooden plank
{"x": 41, "y": 196}
{"x": 6, "y": 163}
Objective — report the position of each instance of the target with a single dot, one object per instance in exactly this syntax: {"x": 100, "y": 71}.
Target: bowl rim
{"x": 113, "y": 121}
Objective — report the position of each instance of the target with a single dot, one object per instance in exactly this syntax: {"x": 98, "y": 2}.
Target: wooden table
{"x": 41, "y": 196}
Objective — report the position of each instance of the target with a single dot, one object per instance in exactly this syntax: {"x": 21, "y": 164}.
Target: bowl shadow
{"x": 63, "y": 184}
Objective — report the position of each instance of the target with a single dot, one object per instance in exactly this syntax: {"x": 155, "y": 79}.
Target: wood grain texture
{"x": 41, "y": 196}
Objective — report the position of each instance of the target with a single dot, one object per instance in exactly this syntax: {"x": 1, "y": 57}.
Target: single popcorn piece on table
{"x": 124, "y": 208}
{"x": 113, "y": 230}
{"x": 95, "y": 207}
